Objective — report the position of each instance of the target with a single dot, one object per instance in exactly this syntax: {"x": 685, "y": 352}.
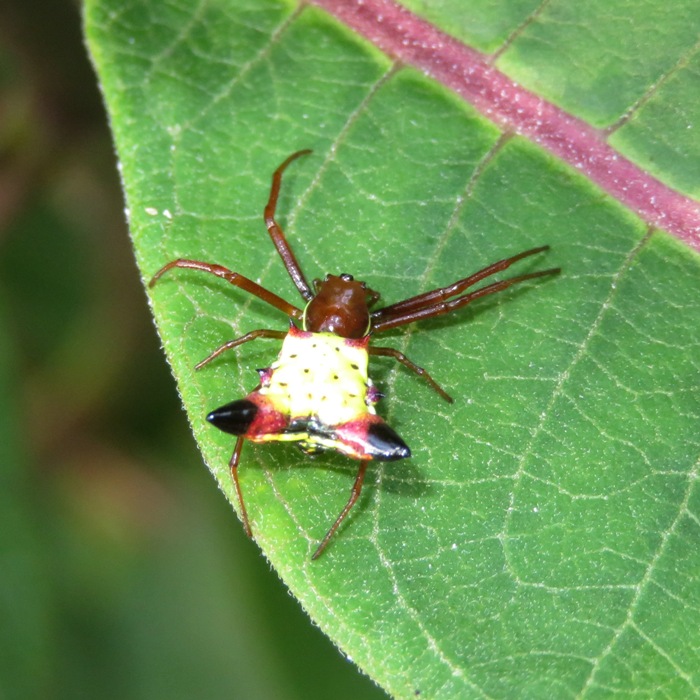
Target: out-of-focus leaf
{"x": 24, "y": 666}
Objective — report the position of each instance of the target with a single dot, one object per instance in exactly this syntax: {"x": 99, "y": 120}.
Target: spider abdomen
{"x": 321, "y": 376}
{"x": 317, "y": 394}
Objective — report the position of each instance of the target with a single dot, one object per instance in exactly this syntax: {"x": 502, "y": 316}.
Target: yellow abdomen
{"x": 319, "y": 376}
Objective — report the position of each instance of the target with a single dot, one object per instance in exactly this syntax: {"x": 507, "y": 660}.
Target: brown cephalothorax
{"x": 341, "y": 306}
{"x": 318, "y": 394}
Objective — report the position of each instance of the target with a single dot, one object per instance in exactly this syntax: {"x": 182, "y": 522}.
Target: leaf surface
{"x": 542, "y": 542}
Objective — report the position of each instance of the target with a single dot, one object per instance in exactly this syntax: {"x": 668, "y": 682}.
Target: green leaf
{"x": 542, "y": 541}
{"x": 633, "y": 70}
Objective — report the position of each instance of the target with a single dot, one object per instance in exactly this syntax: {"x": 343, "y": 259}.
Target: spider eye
{"x": 346, "y": 277}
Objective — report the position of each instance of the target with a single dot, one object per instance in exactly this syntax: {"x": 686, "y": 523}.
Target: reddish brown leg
{"x": 445, "y": 307}
{"x": 235, "y": 279}
{"x": 400, "y": 357}
{"x": 432, "y": 299}
{"x": 233, "y": 467}
{"x": 260, "y": 333}
{"x": 277, "y": 235}
{"x": 354, "y": 495}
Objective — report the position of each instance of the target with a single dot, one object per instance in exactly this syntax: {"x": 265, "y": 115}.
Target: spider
{"x": 317, "y": 393}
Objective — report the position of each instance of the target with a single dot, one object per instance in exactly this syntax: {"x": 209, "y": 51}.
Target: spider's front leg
{"x": 440, "y": 301}
{"x": 277, "y": 234}
{"x": 234, "y": 278}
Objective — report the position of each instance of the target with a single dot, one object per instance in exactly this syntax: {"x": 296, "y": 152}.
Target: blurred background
{"x": 123, "y": 571}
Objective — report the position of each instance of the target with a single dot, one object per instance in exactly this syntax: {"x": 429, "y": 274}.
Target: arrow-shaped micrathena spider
{"x": 318, "y": 393}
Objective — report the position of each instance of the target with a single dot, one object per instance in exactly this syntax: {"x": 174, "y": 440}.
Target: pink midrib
{"x": 413, "y": 41}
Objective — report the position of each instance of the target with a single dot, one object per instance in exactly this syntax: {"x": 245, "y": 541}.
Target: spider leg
{"x": 277, "y": 234}
{"x": 430, "y": 298}
{"x": 236, "y": 280}
{"x": 444, "y": 307}
{"x": 400, "y": 357}
{"x": 260, "y": 333}
{"x": 233, "y": 468}
{"x": 354, "y": 495}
